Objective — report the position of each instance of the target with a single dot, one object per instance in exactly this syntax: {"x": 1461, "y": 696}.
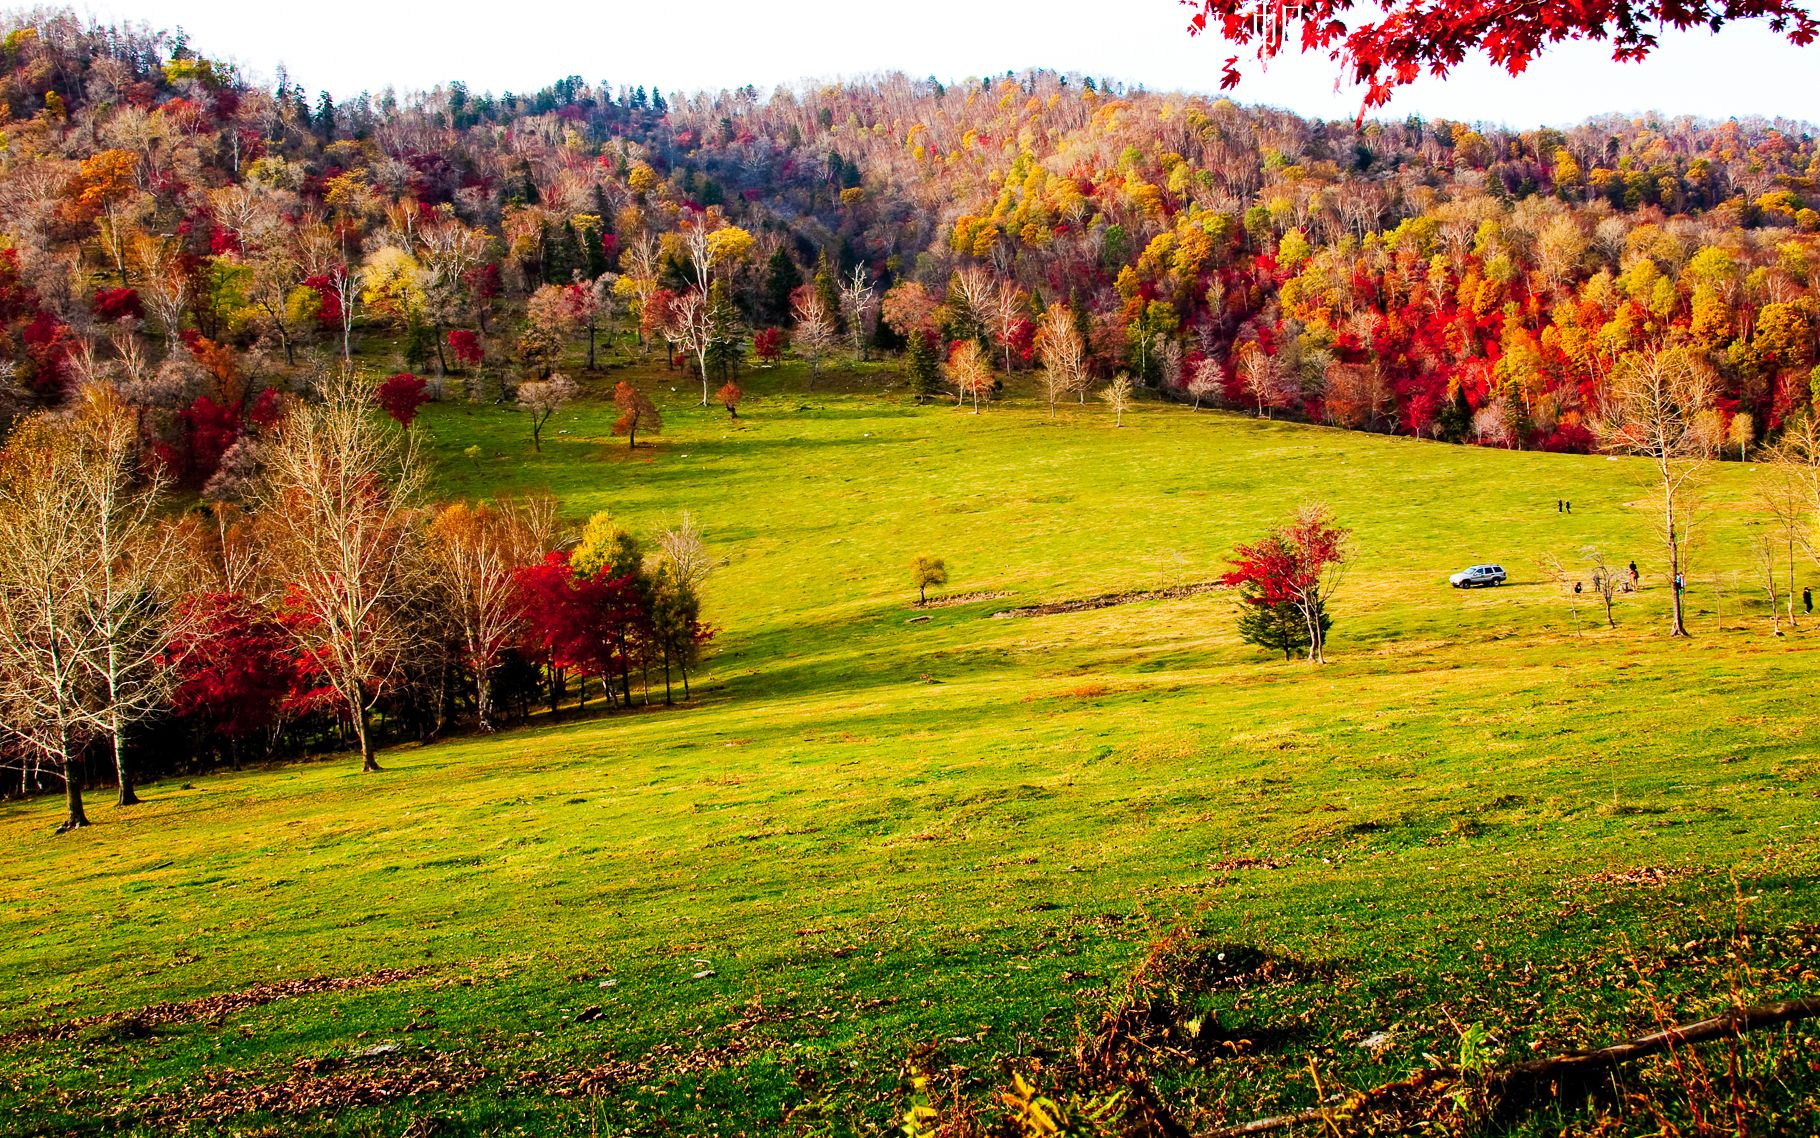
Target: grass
{"x": 873, "y": 846}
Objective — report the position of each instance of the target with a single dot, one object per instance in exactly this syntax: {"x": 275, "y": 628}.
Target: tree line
{"x": 197, "y": 240}
{"x": 328, "y": 603}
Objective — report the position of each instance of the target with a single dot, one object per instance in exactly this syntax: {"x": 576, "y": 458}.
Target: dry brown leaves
{"x": 208, "y": 1008}
{"x": 317, "y": 1084}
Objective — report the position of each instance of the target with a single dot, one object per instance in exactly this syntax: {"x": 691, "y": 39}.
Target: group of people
{"x": 1631, "y": 581}
{"x": 1626, "y": 584}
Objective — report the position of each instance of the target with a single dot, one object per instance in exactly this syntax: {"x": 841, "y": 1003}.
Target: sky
{"x": 346, "y": 47}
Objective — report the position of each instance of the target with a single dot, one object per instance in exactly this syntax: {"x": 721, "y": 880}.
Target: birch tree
{"x": 1651, "y": 411}
{"x": 814, "y": 329}
{"x": 131, "y": 554}
{"x": 335, "y": 510}
{"x": 1063, "y": 355}
{"x": 691, "y": 326}
{"x": 859, "y": 305}
{"x": 47, "y": 643}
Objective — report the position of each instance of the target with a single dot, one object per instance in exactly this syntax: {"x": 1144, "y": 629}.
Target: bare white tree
{"x": 1117, "y": 395}
{"x": 1005, "y": 305}
{"x": 1063, "y": 355}
{"x": 1652, "y": 410}
{"x": 859, "y": 306}
{"x": 47, "y": 643}
{"x": 337, "y": 529}
{"x": 682, "y": 544}
{"x": 132, "y": 556}
{"x": 691, "y": 327}
{"x": 1204, "y": 381}
{"x": 814, "y": 330}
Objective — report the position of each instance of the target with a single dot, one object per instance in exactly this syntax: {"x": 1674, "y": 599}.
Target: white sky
{"x": 347, "y": 47}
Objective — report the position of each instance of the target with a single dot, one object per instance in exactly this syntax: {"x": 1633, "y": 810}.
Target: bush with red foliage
{"x": 238, "y": 671}
{"x": 401, "y": 395}
{"x": 768, "y": 344}
{"x": 209, "y": 429}
{"x": 112, "y": 305}
{"x": 268, "y": 409}
{"x": 466, "y": 347}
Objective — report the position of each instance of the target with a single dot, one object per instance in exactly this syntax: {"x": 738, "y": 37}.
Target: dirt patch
{"x": 961, "y": 599}
{"x": 318, "y": 1084}
{"x": 1108, "y": 600}
{"x": 139, "y": 1023}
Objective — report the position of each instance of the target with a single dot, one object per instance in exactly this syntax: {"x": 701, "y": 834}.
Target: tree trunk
{"x": 668, "y": 701}
{"x": 625, "y": 669}
{"x": 75, "y": 818}
{"x": 363, "y": 731}
{"x": 1678, "y": 623}
{"x": 483, "y": 701}
{"x": 127, "y": 797}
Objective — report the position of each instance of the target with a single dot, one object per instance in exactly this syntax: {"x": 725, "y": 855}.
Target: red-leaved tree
{"x": 465, "y": 346}
{"x": 578, "y": 623}
{"x": 1290, "y": 573}
{"x": 1387, "y": 45}
{"x": 401, "y": 395}
{"x": 768, "y": 344}
{"x": 238, "y": 675}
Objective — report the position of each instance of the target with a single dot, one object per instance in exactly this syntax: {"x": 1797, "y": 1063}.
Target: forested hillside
{"x": 169, "y": 223}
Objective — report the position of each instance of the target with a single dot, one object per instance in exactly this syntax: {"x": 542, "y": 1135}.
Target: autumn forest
{"x": 910, "y": 605}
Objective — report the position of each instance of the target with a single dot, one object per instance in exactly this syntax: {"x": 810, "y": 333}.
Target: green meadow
{"x": 883, "y": 841}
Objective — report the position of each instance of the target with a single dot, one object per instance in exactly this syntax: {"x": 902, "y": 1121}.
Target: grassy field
{"x": 878, "y": 844}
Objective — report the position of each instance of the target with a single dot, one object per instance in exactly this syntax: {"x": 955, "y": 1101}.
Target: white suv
{"x": 1476, "y": 576}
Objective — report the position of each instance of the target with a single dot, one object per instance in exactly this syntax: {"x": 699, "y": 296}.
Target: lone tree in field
{"x": 1291, "y": 573}
{"x": 636, "y": 413}
{"x": 970, "y": 374}
{"x": 1652, "y": 410}
{"x": 338, "y": 534}
{"x": 1605, "y": 581}
{"x": 924, "y": 572}
{"x": 729, "y": 396}
{"x": 542, "y": 398}
{"x": 1117, "y": 395}
{"x": 1277, "y": 625}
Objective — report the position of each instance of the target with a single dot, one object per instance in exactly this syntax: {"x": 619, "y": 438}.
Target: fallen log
{"x": 1536, "y": 1074}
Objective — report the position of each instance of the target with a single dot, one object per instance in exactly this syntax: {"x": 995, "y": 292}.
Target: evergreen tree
{"x": 1276, "y": 626}
{"x": 826, "y": 289}
{"x": 781, "y": 279}
{"x": 728, "y": 344}
{"x": 924, "y": 366}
